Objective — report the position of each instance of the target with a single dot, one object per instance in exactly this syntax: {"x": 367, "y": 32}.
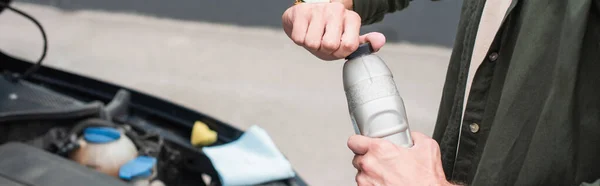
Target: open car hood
{"x": 174, "y": 121}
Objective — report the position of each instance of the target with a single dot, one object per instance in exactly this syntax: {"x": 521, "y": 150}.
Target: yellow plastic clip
{"x": 202, "y": 135}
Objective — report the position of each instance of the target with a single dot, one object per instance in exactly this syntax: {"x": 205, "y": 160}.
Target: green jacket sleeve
{"x": 373, "y": 11}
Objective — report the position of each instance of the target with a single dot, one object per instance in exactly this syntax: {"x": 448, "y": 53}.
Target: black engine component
{"x": 25, "y": 101}
{"x": 24, "y": 165}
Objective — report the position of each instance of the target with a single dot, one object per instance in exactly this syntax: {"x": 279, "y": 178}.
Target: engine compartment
{"x": 51, "y": 115}
{"x": 48, "y": 120}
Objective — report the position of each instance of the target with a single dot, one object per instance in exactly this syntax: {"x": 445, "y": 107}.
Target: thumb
{"x": 359, "y": 144}
{"x": 376, "y": 39}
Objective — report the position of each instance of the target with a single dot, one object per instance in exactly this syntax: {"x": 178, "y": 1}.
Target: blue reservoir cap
{"x": 140, "y": 167}
{"x": 101, "y": 134}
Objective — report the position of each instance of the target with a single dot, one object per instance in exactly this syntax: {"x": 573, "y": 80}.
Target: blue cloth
{"x": 252, "y": 159}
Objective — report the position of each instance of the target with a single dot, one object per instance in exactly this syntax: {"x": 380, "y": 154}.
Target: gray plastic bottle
{"x": 375, "y": 106}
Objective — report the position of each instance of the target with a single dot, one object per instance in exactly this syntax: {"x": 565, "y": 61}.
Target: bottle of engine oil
{"x": 375, "y": 106}
{"x": 105, "y": 149}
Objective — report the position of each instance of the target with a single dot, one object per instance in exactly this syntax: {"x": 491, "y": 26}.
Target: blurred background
{"x": 231, "y": 60}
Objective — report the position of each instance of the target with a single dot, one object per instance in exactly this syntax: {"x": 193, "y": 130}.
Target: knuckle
{"x": 433, "y": 148}
{"x": 302, "y": 10}
{"x": 297, "y": 10}
{"x": 387, "y": 145}
{"x": 352, "y": 15}
{"x": 377, "y": 147}
{"x": 303, "y": 6}
{"x": 434, "y": 145}
{"x": 360, "y": 179}
{"x": 318, "y": 9}
{"x": 431, "y": 143}
{"x": 349, "y": 46}
{"x": 287, "y": 14}
{"x": 330, "y": 45}
{"x": 312, "y": 44}
{"x": 381, "y": 146}
{"x": 338, "y": 7}
{"x": 298, "y": 40}
{"x": 367, "y": 164}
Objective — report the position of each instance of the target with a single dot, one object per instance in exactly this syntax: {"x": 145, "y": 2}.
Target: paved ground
{"x": 244, "y": 76}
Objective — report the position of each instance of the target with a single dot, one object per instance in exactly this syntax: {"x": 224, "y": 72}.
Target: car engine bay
{"x": 53, "y": 130}
{"x": 60, "y": 125}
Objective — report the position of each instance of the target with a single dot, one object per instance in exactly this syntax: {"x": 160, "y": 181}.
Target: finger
{"x": 287, "y": 21}
{"x": 316, "y": 28}
{"x": 359, "y": 144}
{"x": 422, "y": 141}
{"x": 356, "y": 162}
{"x": 320, "y": 55}
{"x": 438, "y": 163}
{"x": 362, "y": 179}
{"x": 350, "y": 35}
{"x": 418, "y": 137}
{"x": 333, "y": 29}
{"x": 380, "y": 146}
{"x": 300, "y": 24}
{"x": 376, "y": 39}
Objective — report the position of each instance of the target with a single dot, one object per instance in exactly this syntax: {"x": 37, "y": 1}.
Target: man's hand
{"x": 382, "y": 163}
{"x": 328, "y": 30}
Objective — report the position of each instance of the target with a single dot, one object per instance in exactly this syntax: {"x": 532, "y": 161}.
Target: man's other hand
{"x": 328, "y": 30}
{"x": 382, "y": 163}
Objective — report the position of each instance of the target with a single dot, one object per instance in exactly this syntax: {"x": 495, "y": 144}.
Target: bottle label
{"x": 370, "y": 89}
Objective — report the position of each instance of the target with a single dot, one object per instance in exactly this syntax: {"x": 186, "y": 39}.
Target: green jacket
{"x": 536, "y": 102}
